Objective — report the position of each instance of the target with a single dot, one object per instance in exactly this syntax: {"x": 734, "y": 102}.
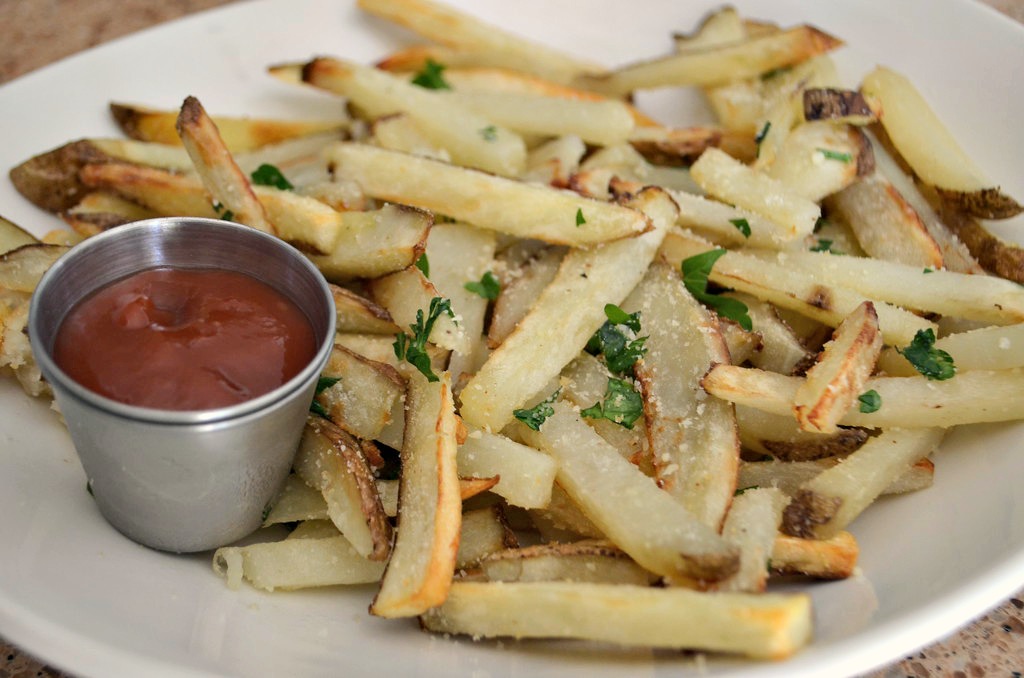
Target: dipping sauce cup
{"x": 183, "y": 480}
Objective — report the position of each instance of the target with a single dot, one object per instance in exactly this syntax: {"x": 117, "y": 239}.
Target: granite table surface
{"x": 39, "y": 32}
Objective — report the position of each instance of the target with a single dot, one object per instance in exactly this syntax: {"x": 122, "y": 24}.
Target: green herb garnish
{"x": 579, "y": 217}
{"x": 824, "y": 245}
{"x": 431, "y": 77}
{"x": 835, "y": 155}
{"x": 539, "y": 413}
{"x": 932, "y": 362}
{"x": 489, "y": 133}
{"x": 761, "y": 135}
{"x": 322, "y": 384}
{"x": 414, "y": 349}
{"x": 929, "y": 270}
{"x": 695, "y": 271}
{"x": 268, "y": 175}
{"x": 223, "y": 212}
{"x": 744, "y": 489}
{"x": 620, "y": 352}
{"x": 621, "y": 404}
{"x": 869, "y": 401}
{"x": 489, "y": 286}
{"x": 742, "y": 225}
{"x": 424, "y": 265}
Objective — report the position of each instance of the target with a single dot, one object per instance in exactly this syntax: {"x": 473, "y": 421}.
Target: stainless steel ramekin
{"x": 182, "y": 481}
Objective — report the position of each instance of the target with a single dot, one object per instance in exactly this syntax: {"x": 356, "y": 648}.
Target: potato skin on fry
{"x": 50, "y": 180}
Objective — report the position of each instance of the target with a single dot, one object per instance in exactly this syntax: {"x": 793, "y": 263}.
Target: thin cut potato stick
{"x": 547, "y": 339}
{"x": 831, "y": 500}
{"x": 845, "y": 363}
{"x": 791, "y": 288}
{"x": 733, "y": 182}
{"x": 616, "y": 496}
{"x": 484, "y": 200}
{"x": 218, "y": 170}
{"x": 472, "y": 139}
{"x": 430, "y": 508}
{"x": 451, "y": 27}
{"x": 833, "y": 558}
{"x": 764, "y": 625}
{"x": 715, "y": 65}
{"x": 911, "y": 402}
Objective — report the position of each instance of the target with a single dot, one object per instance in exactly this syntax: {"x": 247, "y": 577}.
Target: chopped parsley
{"x": 744, "y": 489}
{"x": 761, "y": 135}
{"x": 835, "y": 155}
{"x": 929, "y": 270}
{"x": 620, "y": 352}
{"x": 414, "y": 350}
{"x": 424, "y": 265}
{"x": 869, "y": 401}
{"x": 489, "y": 286}
{"x": 820, "y": 223}
{"x": 932, "y": 362}
{"x": 621, "y": 404}
{"x": 742, "y": 225}
{"x": 431, "y": 76}
{"x": 489, "y": 133}
{"x": 824, "y": 245}
{"x": 322, "y": 384}
{"x": 539, "y": 413}
{"x": 579, "y": 217}
{"x": 695, "y": 271}
{"x": 268, "y": 175}
{"x": 223, "y": 212}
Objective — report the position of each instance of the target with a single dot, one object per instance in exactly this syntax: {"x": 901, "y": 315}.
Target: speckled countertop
{"x": 38, "y": 32}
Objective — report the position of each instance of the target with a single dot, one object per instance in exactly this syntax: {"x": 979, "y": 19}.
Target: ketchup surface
{"x": 184, "y": 339}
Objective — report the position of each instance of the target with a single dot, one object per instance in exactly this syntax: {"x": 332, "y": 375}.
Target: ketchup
{"x": 184, "y": 339}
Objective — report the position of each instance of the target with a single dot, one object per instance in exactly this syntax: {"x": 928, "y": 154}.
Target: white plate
{"x": 76, "y": 593}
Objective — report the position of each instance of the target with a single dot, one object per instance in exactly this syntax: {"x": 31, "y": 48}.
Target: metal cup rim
{"x": 152, "y": 415}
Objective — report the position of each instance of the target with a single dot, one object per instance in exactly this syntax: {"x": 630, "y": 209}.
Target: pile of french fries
{"x": 589, "y": 366}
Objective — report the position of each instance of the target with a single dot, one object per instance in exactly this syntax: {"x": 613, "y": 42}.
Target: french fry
{"x": 483, "y": 532}
{"x": 518, "y": 292}
{"x": 546, "y": 339}
{"x": 818, "y": 159}
{"x": 827, "y": 103}
{"x": 832, "y": 385}
{"x": 13, "y": 236}
{"x": 833, "y": 558}
{"x": 720, "y": 220}
{"x": 752, "y": 524}
{"x": 484, "y": 200}
{"x": 831, "y": 500}
{"x": 296, "y": 563}
{"x": 692, "y": 438}
{"x": 930, "y": 148}
{"x": 765, "y": 625}
{"x": 987, "y": 348}
{"x": 360, "y": 315}
{"x": 407, "y": 294}
{"x": 614, "y": 494}
{"x": 378, "y": 242}
{"x": 731, "y": 181}
{"x": 715, "y": 65}
{"x": 218, "y": 170}
{"x": 296, "y": 502}
{"x": 594, "y": 561}
{"x": 911, "y": 402}
{"x": 448, "y": 26}
{"x": 781, "y": 437}
{"x": 422, "y": 562}
{"x": 886, "y": 226}
{"x": 959, "y": 295}
{"x": 307, "y": 223}
{"x": 794, "y": 289}
{"x": 555, "y": 161}
{"x": 602, "y": 122}
{"x": 361, "y": 400}
{"x": 471, "y": 139}
{"x": 332, "y": 461}
{"x": 781, "y": 351}
{"x": 99, "y": 210}
{"x": 525, "y": 475}
{"x": 22, "y": 267}
{"x": 683, "y": 145}
{"x": 788, "y": 476}
{"x": 239, "y": 134}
